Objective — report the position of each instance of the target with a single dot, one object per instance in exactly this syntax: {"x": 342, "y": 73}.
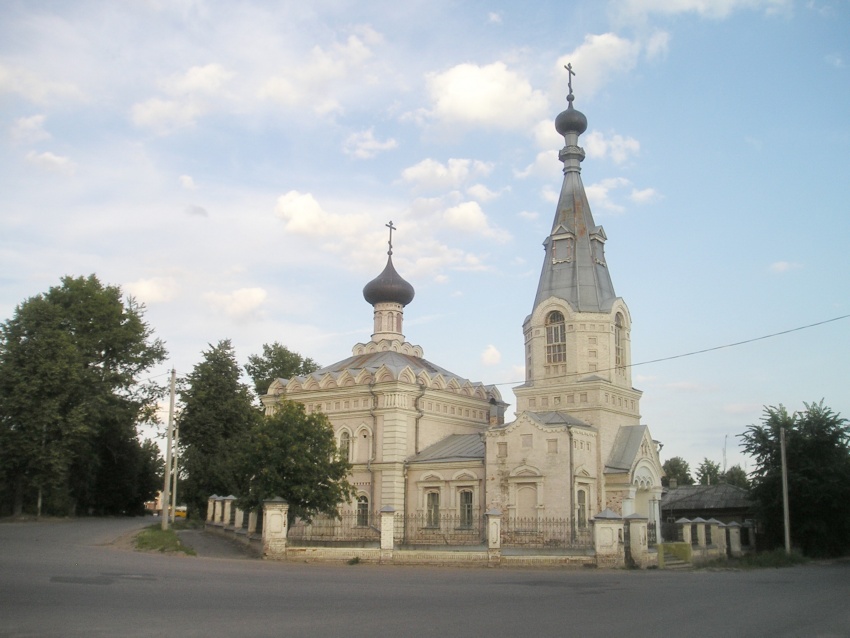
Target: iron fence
{"x": 541, "y": 533}
{"x": 445, "y": 528}
{"x": 651, "y": 534}
{"x": 348, "y": 526}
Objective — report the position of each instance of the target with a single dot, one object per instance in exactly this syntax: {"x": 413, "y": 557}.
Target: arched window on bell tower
{"x": 556, "y": 338}
{"x": 619, "y": 343}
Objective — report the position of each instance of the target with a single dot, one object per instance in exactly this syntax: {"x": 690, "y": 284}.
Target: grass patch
{"x": 155, "y": 539}
{"x": 760, "y": 560}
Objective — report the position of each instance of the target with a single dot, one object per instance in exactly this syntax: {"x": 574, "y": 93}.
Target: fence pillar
{"x": 638, "y": 543}
{"x": 211, "y": 508}
{"x": 275, "y": 512}
{"x": 387, "y": 533}
{"x": 608, "y": 538}
{"x": 735, "y": 539}
{"x": 218, "y": 510}
{"x": 494, "y": 536}
{"x": 237, "y": 521}
{"x": 228, "y": 508}
{"x": 685, "y": 525}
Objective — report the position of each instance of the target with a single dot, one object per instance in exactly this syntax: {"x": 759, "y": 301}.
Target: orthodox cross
{"x": 392, "y": 228}
{"x": 570, "y": 74}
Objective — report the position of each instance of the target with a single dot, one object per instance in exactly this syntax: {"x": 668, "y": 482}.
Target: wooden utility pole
{"x": 167, "y": 482}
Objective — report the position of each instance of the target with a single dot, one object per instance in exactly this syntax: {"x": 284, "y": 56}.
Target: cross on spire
{"x": 390, "y": 242}
{"x": 570, "y": 74}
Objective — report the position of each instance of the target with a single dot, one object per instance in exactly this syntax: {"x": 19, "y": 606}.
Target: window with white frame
{"x": 432, "y": 508}
{"x": 345, "y": 445}
{"x": 556, "y": 340}
{"x": 465, "y": 508}
{"x": 363, "y": 511}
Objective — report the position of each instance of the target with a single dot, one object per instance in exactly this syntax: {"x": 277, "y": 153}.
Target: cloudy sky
{"x": 232, "y": 165}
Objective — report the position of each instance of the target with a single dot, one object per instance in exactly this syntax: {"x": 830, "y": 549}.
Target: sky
{"x": 233, "y": 165}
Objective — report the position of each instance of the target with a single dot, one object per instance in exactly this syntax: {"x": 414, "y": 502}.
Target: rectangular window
{"x": 552, "y": 446}
{"x": 544, "y": 402}
{"x": 501, "y": 450}
{"x": 526, "y": 440}
{"x": 583, "y": 397}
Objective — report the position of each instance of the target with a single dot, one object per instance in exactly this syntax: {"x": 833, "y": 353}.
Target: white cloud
{"x": 484, "y": 194}
{"x": 468, "y": 217}
{"x": 598, "y": 58}
{"x": 304, "y": 216}
{"x": 490, "y": 96}
{"x": 430, "y": 174}
{"x": 615, "y": 146}
{"x": 34, "y": 88}
{"x": 154, "y": 290}
{"x": 187, "y": 182}
{"x": 165, "y": 116}
{"x": 29, "y": 129}
{"x": 51, "y": 162}
{"x": 491, "y": 356}
{"x": 657, "y": 45}
{"x": 319, "y": 81}
{"x": 207, "y": 80}
{"x": 716, "y": 9}
{"x": 599, "y": 194}
{"x": 239, "y": 304}
{"x": 363, "y": 145}
{"x": 784, "y": 266}
{"x": 196, "y": 211}
{"x": 494, "y": 17}
{"x": 644, "y": 196}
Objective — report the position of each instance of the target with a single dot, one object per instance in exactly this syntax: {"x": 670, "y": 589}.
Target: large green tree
{"x": 677, "y": 468}
{"x": 293, "y": 455}
{"x": 70, "y": 399}
{"x": 818, "y": 461}
{"x": 217, "y": 414}
{"x": 708, "y": 472}
{"x": 276, "y": 362}
{"x": 736, "y": 476}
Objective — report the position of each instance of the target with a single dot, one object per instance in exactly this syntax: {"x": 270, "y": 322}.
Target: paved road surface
{"x": 66, "y": 579}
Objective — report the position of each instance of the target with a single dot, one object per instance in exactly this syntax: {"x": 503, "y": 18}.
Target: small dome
{"x": 388, "y": 287}
{"x": 570, "y": 120}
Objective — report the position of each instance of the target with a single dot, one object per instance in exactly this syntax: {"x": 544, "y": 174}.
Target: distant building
{"x": 427, "y": 441}
{"x": 726, "y": 503}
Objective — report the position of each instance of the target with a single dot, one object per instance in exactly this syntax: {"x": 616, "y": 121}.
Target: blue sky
{"x": 232, "y": 165}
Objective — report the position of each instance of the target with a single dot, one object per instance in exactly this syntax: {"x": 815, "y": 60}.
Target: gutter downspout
{"x": 572, "y": 486}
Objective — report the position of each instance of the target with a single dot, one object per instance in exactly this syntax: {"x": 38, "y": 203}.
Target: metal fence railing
{"x": 348, "y": 526}
{"x": 444, "y": 528}
{"x": 555, "y": 533}
{"x": 651, "y": 534}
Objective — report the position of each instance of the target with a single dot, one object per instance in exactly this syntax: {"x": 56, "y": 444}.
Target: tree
{"x": 818, "y": 461}
{"x": 276, "y": 362}
{"x": 217, "y": 414}
{"x": 293, "y": 455}
{"x": 736, "y": 476}
{"x": 70, "y": 398}
{"x": 676, "y": 468}
{"x": 708, "y": 472}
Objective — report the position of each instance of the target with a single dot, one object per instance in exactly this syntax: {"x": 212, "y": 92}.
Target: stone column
{"x": 638, "y": 544}
{"x": 735, "y": 539}
{"x": 252, "y": 522}
{"x": 218, "y": 510}
{"x": 237, "y": 523}
{"x": 608, "y": 538}
{"x": 387, "y": 533}
{"x": 700, "y": 523}
{"x": 228, "y": 508}
{"x": 211, "y": 508}
{"x": 275, "y": 512}
{"x": 685, "y": 525}
{"x": 494, "y": 536}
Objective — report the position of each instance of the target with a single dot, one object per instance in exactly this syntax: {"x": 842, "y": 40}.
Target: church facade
{"x": 426, "y": 441}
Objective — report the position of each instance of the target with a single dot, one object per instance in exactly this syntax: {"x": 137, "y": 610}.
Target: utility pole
{"x": 167, "y": 483}
{"x": 786, "y": 518}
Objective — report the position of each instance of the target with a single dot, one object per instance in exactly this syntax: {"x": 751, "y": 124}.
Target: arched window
{"x": 345, "y": 445}
{"x": 362, "y": 511}
{"x": 432, "y": 504}
{"x": 556, "y": 338}
{"x": 618, "y": 342}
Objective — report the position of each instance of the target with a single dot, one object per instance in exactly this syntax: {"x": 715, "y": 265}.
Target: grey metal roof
{"x": 706, "y": 498}
{"x": 625, "y": 448}
{"x": 579, "y": 276}
{"x": 551, "y": 419}
{"x": 455, "y": 447}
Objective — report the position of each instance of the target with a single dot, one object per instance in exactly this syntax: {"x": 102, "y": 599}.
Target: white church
{"x": 426, "y": 441}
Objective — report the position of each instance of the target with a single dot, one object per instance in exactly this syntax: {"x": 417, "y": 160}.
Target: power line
{"x": 704, "y": 350}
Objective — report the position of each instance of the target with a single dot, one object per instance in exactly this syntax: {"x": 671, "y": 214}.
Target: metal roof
{"x": 625, "y": 449}
{"x": 706, "y": 497}
{"x": 455, "y": 447}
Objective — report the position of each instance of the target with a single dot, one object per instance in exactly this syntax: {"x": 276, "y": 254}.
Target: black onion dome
{"x": 388, "y": 287}
{"x": 570, "y": 120}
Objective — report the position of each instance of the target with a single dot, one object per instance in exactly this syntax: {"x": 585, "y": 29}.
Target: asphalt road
{"x": 68, "y": 579}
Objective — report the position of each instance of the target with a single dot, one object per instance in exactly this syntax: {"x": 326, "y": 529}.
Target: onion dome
{"x": 571, "y": 120}
{"x": 388, "y": 287}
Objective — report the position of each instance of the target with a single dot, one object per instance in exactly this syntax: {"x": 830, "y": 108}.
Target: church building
{"x": 427, "y": 441}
